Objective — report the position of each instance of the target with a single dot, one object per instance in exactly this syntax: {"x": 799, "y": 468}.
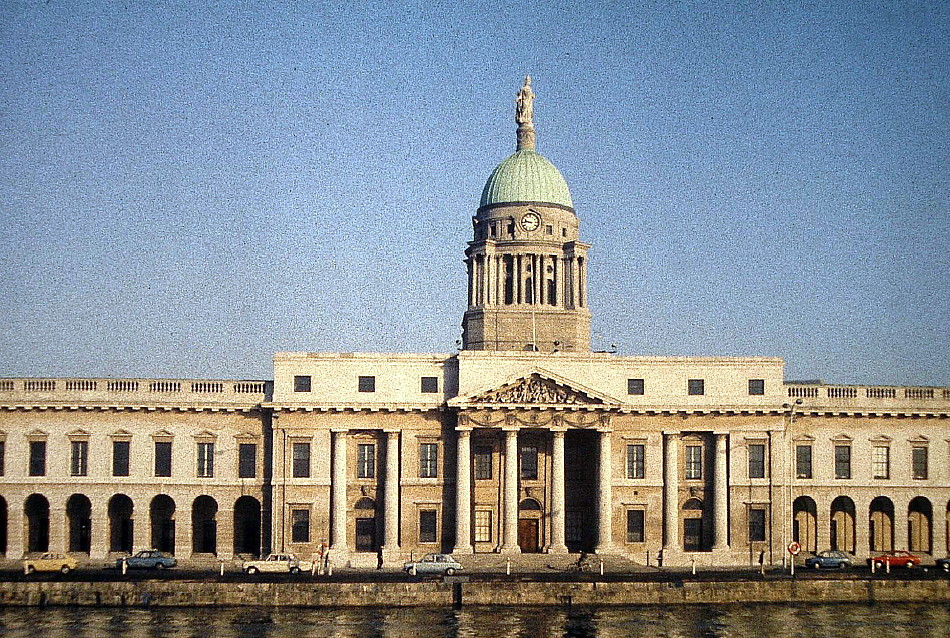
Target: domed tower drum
{"x": 527, "y": 268}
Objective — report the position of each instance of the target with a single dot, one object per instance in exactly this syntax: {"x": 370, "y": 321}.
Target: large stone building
{"x": 524, "y": 441}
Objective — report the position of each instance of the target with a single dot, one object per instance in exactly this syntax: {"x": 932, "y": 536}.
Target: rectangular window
{"x": 881, "y": 461}
{"x": 482, "y": 462}
{"x": 756, "y": 460}
{"x": 367, "y": 384}
{"x": 120, "y": 458}
{"x": 79, "y": 458}
{"x": 919, "y": 458}
{"x": 803, "y": 461}
{"x": 3, "y": 454}
{"x": 301, "y": 460}
{"x": 529, "y": 463}
{"x": 205, "y": 460}
{"x": 694, "y": 462}
{"x": 756, "y": 387}
{"x": 634, "y": 386}
{"x": 428, "y": 460}
{"x": 302, "y": 383}
{"x": 696, "y": 386}
{"x": 427, "y": 526}
{"x": 430, "y": 385}
{"x": 163, "y": 458}
{"x": 482, "y": 526}
{"x": 842, "y": 461}
{"x": 300, "y": 526}
{"x": 247, "y": 460}
{"x": 635, "y": 461}
{"x": 366, "y": 460}
{"x": 634, "y": 526}
{"x": 756, "y": 525}
{"x": 37, "y": 458}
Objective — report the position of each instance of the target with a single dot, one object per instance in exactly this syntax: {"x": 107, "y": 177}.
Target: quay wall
{"x": 437, "y": 593}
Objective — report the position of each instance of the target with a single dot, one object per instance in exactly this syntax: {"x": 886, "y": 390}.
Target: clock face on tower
{"x": 530, "y": 221}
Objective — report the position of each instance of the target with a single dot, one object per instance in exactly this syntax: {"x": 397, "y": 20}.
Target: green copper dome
{"x": 526, "y": 176}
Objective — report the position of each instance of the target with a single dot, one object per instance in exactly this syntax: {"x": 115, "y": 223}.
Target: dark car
{"x": 944, "y": 564}
{"x": 898, "y": 558}
{"x": 148, "y": 559}
{"x": 829, "y": 558}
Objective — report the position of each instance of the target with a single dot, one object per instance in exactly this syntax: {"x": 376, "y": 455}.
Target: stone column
{"x": 16, "y": 528}
{"x": 510, "y": 540}
{"x": 391, "y": 497}
{"x": 862, "y": 528}
{"x": 822, "y": 523}
{"x": 557, "y": 546}
{"x": 99, "y": 532}
{"x": 225, "y": 543}
{"x": 57, "y": 529}
{"x": 183, "y": 529}
{"x": 901, "y": 541}
{"x": 938, "y": 531}
{"x": 463, "y": 493}
{"x": 671, "y": 521}
{"x": 721, "y": 494}
{"x": 338, "y": 491}
{"x": 604, "y": 495}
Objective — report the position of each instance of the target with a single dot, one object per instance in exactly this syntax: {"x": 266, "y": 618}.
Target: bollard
{"x": 601, "y": 566}
{"x": 887, "y": 564}
{"x": 693, "y": 561}
{"x": 125, "y": 567}
{"x": 26, "y": 569}
{"x": 792, "y": 562}
{"x": 873, "y": 565}
{"x": 313, "y": 568}
{"x": 762, "y": 569}
{"x": 648, "y": 558}
{"x": 222, "y": 568}
{"x": 508, "y": 566}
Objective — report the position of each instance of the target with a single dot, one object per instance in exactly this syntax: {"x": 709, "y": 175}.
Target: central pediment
{"x": 535, "y": 389}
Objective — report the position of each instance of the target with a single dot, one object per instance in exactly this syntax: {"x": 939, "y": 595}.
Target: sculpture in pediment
{"x": 536, "y": 390}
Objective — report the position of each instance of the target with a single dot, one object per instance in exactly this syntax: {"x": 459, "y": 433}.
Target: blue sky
{"x": 187, "y": 188}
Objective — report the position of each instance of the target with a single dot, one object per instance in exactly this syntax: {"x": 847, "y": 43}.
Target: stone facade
{"x": 524, "y": 441}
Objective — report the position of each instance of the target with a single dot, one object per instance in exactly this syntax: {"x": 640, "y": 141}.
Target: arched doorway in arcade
{"x": 841, "y": 531}
{"x": 530, "y": 518}
{"x": 805, "y": 523}
{"x": 366, "y": 525}
{"x": 247, "y": 526}
{"x": 120, "y": 524}
{"x": 204, "y": 525}
{"x": 3, "y": 525}
{"x": 79, "y": 514}
{"x": 36, "y": 510}
{"x": 919, "y": 517}
{"x": 694, "y": 536}
{"x": 881, "y": 525}
{"x": 162, "y": 515}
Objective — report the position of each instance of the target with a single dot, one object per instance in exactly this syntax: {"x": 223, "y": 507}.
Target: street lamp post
{"x": 789, "y": 411}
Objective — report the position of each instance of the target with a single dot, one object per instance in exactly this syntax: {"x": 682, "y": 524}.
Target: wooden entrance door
{"x": 528, "y": 535}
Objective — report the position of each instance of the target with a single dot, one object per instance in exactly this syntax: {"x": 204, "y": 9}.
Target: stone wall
{"x": 432, "y": 593}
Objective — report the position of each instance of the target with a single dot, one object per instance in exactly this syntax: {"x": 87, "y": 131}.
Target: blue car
{"x": 148, "y": 559}
{"x": 829, "y": 558}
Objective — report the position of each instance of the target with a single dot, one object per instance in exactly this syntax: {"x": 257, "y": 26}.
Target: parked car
{"x": 898, "y": 558}
{"x": 276, "y": 564}
{"x": 148, "y": 559}
{"x": 50, "y": 563}
{"x": 944, "y": 564}
{"x": 433, "y": 564}
{"x": 829, "y": 558}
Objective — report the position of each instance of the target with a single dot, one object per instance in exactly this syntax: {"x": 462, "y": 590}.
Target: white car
{"x": 433, "y": 564}
{"x": 276, "y": 564}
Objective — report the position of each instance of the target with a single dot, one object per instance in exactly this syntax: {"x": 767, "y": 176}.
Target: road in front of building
{"x": 109, "y": 574}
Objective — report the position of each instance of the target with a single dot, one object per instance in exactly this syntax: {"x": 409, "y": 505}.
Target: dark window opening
{"x": 367, "y": 384}
{"x": 634, "y": 526}
{"x": 635, "y": 386}
{"x": 163, "y": 458}
{"x": 120, "y": 458}
{"x": 37, "y": 458}
{"x": 529, "y": 463}
{"x": 756, "y": 386}
{"x": 247, "y": 460}
{"x": 300, "y": 526}
{"x": 428, "y": 526}
{"x": 696, "y": 386}
{"x": 635, "y": 461}
{"x": 756, "y": 460}
{"x": 302, "y": 383}
{"x": 301, "y": 460}
{"x": 842, "y": 461}
{"x": 756, "y": 525}
{"x": 483, "y": 462}
{"x": 430, "y": 385}
{"x": 803, "y": 461}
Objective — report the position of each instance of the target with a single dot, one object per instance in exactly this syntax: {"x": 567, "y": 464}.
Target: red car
{"x": 896, "y": 559}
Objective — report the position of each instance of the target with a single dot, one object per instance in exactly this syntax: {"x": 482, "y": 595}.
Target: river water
{"x": 761, "y": 621}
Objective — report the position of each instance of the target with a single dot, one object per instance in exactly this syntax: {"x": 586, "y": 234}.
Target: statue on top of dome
{"x": 524, "y": 104}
